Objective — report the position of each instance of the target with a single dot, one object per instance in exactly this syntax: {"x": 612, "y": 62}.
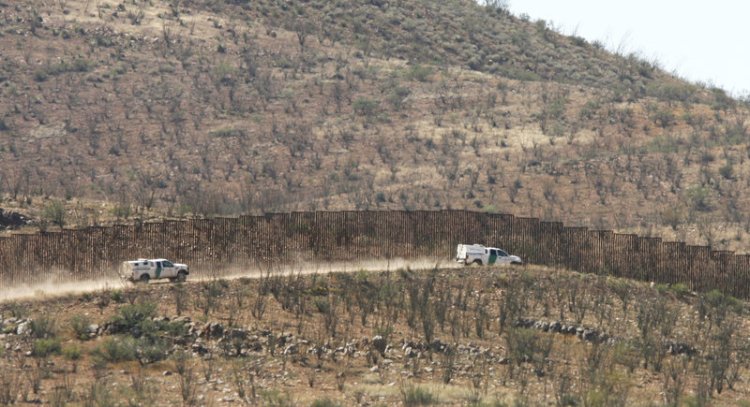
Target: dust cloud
{"x": 53, "y": 289}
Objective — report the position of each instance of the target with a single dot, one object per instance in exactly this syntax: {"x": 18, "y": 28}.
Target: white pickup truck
{"x": 469, "y": 254}
{"x": 143, "y": 270}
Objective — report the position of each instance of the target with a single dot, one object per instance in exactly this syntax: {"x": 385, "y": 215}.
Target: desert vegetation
{"x": 135, "y": 109}
{"x": 521, "y": 336}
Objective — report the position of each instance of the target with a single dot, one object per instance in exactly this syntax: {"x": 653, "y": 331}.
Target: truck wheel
{"x": 181, "y": 277}
{"x": 144, "y": 278}
{"x": 477, "y": 262}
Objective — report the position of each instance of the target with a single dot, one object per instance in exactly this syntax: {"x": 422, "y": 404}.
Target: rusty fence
{"x": 215, "y": 245}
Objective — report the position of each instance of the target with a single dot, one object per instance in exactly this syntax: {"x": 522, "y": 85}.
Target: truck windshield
{"x": 167, "y": 264}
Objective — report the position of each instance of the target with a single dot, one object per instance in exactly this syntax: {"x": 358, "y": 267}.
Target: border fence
{"x": 217, "y": 244}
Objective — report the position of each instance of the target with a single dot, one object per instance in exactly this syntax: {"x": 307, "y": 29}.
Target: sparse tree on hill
{"x": 55, "y": 212}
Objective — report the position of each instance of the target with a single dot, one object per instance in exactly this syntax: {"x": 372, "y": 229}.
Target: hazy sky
{"x": 701, "y": 41}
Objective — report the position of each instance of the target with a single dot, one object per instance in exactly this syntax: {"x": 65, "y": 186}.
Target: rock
{"x": 410, "y": 352}
{"x": 237, "y": 334}
{"x": 199, "y": 348}
{"x": 589, "y": 335}
{"x": 292, "y": 349}
{"x": 254, "y": 345}
{"x": 204, "y": 330}
{"x": 379, "y": 344}
{"x": 183, "y": 319}
{"x": 92, "y": 329}
{"x": 216, "y": 330}
{"x": 24, "y": 328}
{"x": 167, "y": 373}
{"x": 284, "y": 339}
{"x": 676, "y": 348}
{"x": 438, "y": 346}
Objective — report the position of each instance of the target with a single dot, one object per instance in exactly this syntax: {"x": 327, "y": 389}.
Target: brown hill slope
{"x": 213, "y": 107}
{"x": 485, "y": 336}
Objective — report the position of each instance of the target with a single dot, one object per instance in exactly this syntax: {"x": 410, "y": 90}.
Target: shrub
{"x": 134, "y": 318}
{"x": 43, "y": 328}
{"x": 727, "y": 171}
{"x": 663, "y": 117}
{"x": 418, "y": 396}
{"x": 45, "y": 347}
{"x": 55, "y": 212}
{"x": 672, "y": 217}
{"x": 716, "y": 306}
{"x": 187, "y": 377}
{"x": 150, "y": 351}
{"x": 77, "y": 65}
{"x": 397, "y": 97}
{"x": 115, "y": 349}
{"x": 71, "y": 352}
{"x": 420, "y": 73}
{"x": 365, "y": 106}
{"x": 324, "y": 402}
{"x": 680, "y": 289}
{"x": 80, "y": 326}
{"x": 117, "y": 297}
{"x": 671, "y": 91}
{"x": 274, "y": 398}
{"x": 698, "y": 199}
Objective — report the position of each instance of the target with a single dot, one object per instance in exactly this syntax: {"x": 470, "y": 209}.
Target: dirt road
{"x": 55, "y": 289}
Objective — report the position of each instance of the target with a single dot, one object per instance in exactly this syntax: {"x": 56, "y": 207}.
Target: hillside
{"x": 153, "y": 108}
{"x": 478, "y": 337}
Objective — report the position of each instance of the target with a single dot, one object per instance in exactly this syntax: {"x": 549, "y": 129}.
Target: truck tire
{"x": 477, "y": 262}
{"x": 181, "y": 277}
{"x": 144, "y": 278}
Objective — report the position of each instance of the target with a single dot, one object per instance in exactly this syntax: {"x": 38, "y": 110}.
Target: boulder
{"x": 24, "y": 328}
{"x": 379, "y": 344}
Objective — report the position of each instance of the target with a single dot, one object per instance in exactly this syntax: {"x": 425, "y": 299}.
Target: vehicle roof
{"x": 479, "y": 246}
{"x": 140, "y": 260}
